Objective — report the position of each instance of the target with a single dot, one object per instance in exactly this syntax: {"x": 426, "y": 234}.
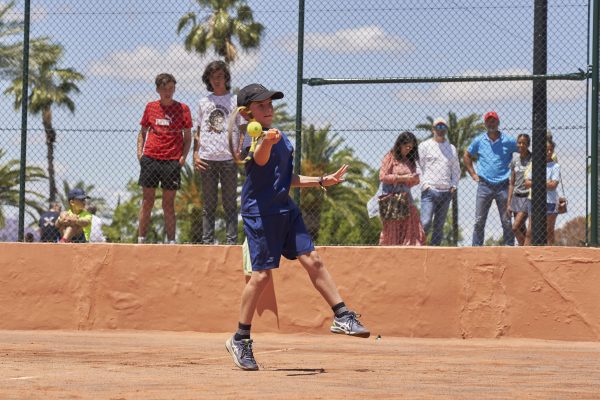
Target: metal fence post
{"x": 595, "y": 195}
{"x": 539, "y": 124}
{"x": 24, "y": 110}
{"x": 300, "y": 72}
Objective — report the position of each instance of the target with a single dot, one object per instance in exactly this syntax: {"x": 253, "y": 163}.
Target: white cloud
{"x": 356, "y": 40}
{"x": 475, "y": 92}
{"x": 145, "y": 62}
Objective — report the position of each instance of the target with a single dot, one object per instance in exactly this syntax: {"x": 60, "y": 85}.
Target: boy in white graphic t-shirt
{"x": 211, "y": 152}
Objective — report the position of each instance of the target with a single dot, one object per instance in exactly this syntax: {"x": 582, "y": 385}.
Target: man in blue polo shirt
{"x": 493, "y": 151}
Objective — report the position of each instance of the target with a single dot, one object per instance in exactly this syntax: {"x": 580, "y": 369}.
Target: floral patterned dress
{"x": 407, "y": 232}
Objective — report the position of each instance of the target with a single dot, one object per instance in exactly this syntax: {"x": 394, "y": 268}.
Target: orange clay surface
{"x": 484, "y": 292}
{"x": 186, "y": 365}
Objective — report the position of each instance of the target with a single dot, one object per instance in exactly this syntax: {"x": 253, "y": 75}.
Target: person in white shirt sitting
{"x": 440, "y": 172}
{"x": 96, "y": 234}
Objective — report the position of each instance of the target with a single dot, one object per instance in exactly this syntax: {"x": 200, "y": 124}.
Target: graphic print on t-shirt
{"x": 164, "y": 121}
{"x": 217, "y": 118}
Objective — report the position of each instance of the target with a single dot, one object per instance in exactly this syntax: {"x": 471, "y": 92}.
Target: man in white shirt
{"x": 440, "y": 172}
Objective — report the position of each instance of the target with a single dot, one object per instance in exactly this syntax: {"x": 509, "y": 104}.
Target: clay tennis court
{"x": 164, "y": 365}
{"x": 149, "y": 322}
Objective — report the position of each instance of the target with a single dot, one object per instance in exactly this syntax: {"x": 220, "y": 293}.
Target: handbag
{"x": 562, "y": 205}
{"x": 562, "y": 201}
{"x": 394, "y": 206}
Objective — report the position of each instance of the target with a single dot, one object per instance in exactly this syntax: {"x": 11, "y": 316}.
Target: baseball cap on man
{"x": 256, "y": 92}
{"x": 491, "y": 114}
{"x": 78, "y": 194}
{"x": 438, "y": 121}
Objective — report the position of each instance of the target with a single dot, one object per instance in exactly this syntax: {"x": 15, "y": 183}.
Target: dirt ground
{"x": 166, "y": 365}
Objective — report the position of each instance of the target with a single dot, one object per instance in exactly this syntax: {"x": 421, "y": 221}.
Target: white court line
{"x": 22, "y": 378}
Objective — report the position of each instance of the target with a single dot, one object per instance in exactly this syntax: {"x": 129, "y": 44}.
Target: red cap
{"x": 491, "y": 114}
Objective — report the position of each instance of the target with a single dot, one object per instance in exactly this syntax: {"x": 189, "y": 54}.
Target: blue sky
{"x": 121, "y": 45}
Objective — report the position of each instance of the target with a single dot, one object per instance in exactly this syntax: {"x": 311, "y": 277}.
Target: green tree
{"x": 460, "y": 133}
{"x": 336, "y": 229}
{"x": 224, "y": 21}
{"x": 9, "y": 188}
{"x": 188, "y": 207}
{"x": 49, "y": 86}
{"x": 324, "y": 153}
{"x": 282, "y": 120}
{"x": 491, "y": 241}
{"x": 124, "y": 225}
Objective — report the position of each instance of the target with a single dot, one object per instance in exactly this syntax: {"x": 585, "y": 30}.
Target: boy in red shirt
{"x": 162, "y": 147}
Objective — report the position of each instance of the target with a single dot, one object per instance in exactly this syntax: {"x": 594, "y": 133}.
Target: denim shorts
{"x": 551, "y": 208}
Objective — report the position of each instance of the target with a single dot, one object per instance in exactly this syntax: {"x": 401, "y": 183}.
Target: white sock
{"x": 141, "y": 239}
{"x": 171, "y": 242}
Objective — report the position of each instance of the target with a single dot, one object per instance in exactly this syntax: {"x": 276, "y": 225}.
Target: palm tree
{"x": 49, "y": 86}
{"x": 9, "y": 188}
{"x": 10, "y": 53}
{"x": 225, "y": 20}
{"x": 460, "y": 133}
{"x": 336, "y": 229}
{"x": 283, "y": 120}
{"x": 323, "y": 153}
{"x": 11, "y": 48}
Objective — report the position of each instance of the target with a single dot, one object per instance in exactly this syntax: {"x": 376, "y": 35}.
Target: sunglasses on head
{"x": 441, "y": 127}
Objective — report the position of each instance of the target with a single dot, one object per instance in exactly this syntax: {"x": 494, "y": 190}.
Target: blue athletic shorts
{"x": 271, "y": 236}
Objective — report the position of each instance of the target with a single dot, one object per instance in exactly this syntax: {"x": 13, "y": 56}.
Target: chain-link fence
{"x": 92, "y": 72}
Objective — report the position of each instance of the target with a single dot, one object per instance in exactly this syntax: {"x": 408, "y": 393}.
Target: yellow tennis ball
{"x": 254, "y": 129}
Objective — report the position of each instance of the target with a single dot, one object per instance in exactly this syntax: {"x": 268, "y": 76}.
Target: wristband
{"x": 321, "y": 183}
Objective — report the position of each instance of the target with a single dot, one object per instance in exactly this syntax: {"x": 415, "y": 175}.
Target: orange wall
{"x": 486, "y": 292}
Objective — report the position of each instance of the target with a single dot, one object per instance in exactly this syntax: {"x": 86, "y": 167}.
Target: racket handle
{"x": 252, "y": 149}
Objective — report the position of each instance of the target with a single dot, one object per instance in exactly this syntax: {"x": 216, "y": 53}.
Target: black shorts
{"x": 165, "y": 172}
{"x": 80, "y": 238}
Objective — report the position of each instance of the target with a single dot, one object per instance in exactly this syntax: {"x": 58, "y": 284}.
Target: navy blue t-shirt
{"x": 266, "y": 189}
{"x": 48, "y": 231}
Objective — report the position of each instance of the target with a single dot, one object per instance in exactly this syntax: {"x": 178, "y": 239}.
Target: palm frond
{"x": 185, "y": 20}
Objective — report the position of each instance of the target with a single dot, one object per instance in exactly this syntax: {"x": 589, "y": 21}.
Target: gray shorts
{"x": 520, "y": 204}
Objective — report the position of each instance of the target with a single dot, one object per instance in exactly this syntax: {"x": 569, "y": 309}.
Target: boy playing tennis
{"x": 274, "y": 226}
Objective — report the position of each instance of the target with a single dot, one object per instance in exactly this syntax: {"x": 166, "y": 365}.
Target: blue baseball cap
{"x": 78, "y": 194}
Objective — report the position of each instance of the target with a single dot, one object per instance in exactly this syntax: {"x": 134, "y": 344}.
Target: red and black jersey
{"x": 164, "y": 140}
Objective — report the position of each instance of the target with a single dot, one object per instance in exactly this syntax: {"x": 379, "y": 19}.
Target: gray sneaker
{"x": 349, "y": 324}
{"x": 241, "y": 352}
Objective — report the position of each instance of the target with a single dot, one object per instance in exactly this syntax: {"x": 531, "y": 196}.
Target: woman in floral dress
{"x": 399, "y": 173}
